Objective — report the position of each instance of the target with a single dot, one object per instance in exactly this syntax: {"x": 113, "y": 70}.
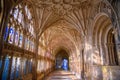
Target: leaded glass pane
{"x": 16, "y": 13}
{"x": 20, "y": 40}
{"x": 25, "y": 43}
{"x": 25, "y": 65}
{"x": 11, "y": 35}
{"x": 20, "y": 17}
{"x": 16, "y": 38}
{"x": 0, "y": 64}
{"x": 30, "y": 66}
{"x": 12, "y": 69}
{"x": 65, "y": 64}
{"x": 6, "y": 33}
{"x": 6, "y": 69}
{"x": 18, "y": 68}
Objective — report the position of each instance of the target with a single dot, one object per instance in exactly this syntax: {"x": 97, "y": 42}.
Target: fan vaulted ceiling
{"x": 62, "y": 22}
{"x": 76, "y": 12}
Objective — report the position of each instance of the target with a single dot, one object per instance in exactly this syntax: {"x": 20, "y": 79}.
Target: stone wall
{"x": 105, "y": 73}
{"x": 96, "y": 73}
{"x": 111, "y": 72}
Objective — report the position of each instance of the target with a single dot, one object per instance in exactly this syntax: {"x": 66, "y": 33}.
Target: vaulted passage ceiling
{"x": 65, "y": 23}
{"x": 62, "y": 23}
{"x": 61, "y": 35}
{"x": 77, "y": 13}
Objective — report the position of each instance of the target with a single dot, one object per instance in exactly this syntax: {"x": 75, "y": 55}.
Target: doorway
{"x": 62, "y": 60}
{"x": 113, "y": 57}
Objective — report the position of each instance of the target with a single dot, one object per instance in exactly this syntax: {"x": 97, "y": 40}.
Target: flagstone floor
{"x": 61, "y": 75}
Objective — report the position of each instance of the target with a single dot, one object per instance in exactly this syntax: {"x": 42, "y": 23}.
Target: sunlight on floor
{"x": 61, "y": 75}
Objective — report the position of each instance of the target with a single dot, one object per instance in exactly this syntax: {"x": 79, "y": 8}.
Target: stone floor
{"x": 61, "y": 75}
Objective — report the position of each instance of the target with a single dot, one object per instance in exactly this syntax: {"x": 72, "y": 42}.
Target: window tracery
{"x": 20, "y": 35}
{"x": 20, "y": 21}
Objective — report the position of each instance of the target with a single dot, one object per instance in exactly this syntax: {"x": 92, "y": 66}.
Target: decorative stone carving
{"x": 60, "y": 7}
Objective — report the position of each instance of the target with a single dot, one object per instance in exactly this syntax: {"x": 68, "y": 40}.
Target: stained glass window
{"x": 25, "y": 43}
{"x": 11, "y": 35}
{"x": 16, "y": 38}
{"x": 65, "y": 64}
{"x": 6, "y": 69}
{"x": 16, "y": 12}
{"x": 30, "y": 66}
{"x": 6, "y": 33}
{"x": 0, "y": 64}
{"x": 25, "y": 66}
{"x": 20, "y": 17}
{"x": 12, "y": 69}
{"x": 20, "y": 40}
{"x": 32, "y": 47}
{"x": 18, "y": 68}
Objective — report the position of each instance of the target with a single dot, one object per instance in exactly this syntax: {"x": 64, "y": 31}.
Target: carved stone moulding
{"x": 61, "y": 1}
{"x": 56, "y": 1}
{"x": 67, "y": 1}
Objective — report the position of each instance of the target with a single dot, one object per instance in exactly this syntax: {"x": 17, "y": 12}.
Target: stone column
{"x": 35, "y": 59}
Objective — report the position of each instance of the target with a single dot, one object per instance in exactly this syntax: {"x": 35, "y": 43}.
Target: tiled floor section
{"x": 61, "y": 75}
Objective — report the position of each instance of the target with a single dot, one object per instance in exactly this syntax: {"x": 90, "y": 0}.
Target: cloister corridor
{"x": 59, "y": 39}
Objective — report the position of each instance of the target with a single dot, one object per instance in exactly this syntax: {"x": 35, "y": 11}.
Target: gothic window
{"x": 11, "y": 35}
{"x": 65, "y": 64}
{"x": 33, "y": 47}
{"x": 12, "y": 68}
{"x": 27, "y": 44}
{"x": 17, "y": 67}
{"x": 6, "y": 69}
{"x": 21, "y": 21}
{"x": 20, "y": 40}
{"x": 20, "y": 17}
{"x": 16, "y": 11}
{"x": 16, "y": 37}
{"x": 6, "y": 33}
{"x": 30, "y": 66}
{"x": 25, "y": 65}
{"x": 0, "y": 64}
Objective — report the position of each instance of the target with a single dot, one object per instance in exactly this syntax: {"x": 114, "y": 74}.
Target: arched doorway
{"x": 62, "y": 60}
{"x": 111, "y": 44}
{"x": 104, "y": 41}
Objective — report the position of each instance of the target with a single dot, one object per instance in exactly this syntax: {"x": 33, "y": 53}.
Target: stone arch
{"x": 61, "y": 48}
{"x": 111, "y": 47}
{"x": 101, "y": 27}
{"x": 60, "y": 56}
